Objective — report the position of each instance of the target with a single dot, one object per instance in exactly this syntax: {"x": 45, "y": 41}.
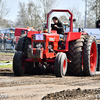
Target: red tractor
{"x": 77, "y": 55}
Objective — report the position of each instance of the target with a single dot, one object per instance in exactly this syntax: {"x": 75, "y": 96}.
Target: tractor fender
{"x": 73, "y": 36}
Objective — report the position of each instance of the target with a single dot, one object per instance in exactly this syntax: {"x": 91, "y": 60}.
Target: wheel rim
{"x": 64, "y": 65}
{"x": 93, "y": 57}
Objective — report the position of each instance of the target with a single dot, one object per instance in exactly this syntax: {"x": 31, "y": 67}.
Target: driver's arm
{"x": 60, "y": 27}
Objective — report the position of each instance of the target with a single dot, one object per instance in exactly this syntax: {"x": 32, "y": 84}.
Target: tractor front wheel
{"x": 18, "y": 65}
{"x": 20, "y": 44}
{"x": 60, "y": 66}
{"x": 90, "y": 56}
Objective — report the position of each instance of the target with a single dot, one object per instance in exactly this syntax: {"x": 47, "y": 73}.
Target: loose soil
{"x": 47, "y": 87}
{"x": 6, "y": 57}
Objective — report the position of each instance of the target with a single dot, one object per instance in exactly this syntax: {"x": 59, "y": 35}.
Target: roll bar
{"x": 55, "y": 10}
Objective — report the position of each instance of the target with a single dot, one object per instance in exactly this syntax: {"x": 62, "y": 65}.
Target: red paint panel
{"x": 58, "y": 10}
{"x": 18, "y": 31}
{"x": 73, "y": 36}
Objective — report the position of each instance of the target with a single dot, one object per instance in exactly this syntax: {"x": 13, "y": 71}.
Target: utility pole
{"x": 85, "y": 14}
{"x": 96, "y": 11}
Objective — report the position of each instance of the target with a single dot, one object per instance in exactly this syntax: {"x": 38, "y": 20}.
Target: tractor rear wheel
{"x": 60, "y": 66}
{"x": 90, "y": 56}
{"x": 75, "y": 56}
{"x": 18, "y": 65}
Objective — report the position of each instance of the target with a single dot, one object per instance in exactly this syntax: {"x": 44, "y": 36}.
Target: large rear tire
{"x": 18, "y": 65}
{"x": 75, "y": 56}
{"x": 90, "y": 56}
{"x": 60, "y": 66}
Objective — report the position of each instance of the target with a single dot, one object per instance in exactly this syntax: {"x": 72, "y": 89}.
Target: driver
{"x": 58, "y": 26}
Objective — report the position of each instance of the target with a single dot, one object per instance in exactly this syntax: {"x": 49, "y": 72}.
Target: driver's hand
{"x": 56, "y": 26}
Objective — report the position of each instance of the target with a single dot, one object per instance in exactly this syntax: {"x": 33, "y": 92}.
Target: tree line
{"x": 31, "y": 14}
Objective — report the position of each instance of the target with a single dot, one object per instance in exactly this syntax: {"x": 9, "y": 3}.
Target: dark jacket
{"x": 60, "y": 29}
{"x": 97, "y": 24}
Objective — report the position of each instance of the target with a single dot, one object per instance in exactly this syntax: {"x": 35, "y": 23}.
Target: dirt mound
{"x": 75, "y": 94}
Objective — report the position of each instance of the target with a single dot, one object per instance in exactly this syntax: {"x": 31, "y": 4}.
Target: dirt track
{"x": 6, "y": 57}
{"x": 36, "y": 87}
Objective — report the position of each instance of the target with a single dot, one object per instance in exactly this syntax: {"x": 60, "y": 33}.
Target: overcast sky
{"x": 61, "y": 4}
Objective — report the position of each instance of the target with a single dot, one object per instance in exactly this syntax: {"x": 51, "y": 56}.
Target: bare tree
{"x": 29, "y": 15}
{"x": 91, "y": 20}
{"x": 3, "y": 9}
{"x": 78, "y": 16}
{"x": 63, "y": 18}
{"x": 22, "y": 15}
{"x": 94, "y": 6}
{"x": 6, "y": 23}
{"x": 46, "y": 6}
{"x": 3, "y": 13}
{"x": 34, "y": 17}
{"x": 93, "y": 12}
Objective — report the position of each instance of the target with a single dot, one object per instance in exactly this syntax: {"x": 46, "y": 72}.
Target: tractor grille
{"x": 36, "y": 43}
